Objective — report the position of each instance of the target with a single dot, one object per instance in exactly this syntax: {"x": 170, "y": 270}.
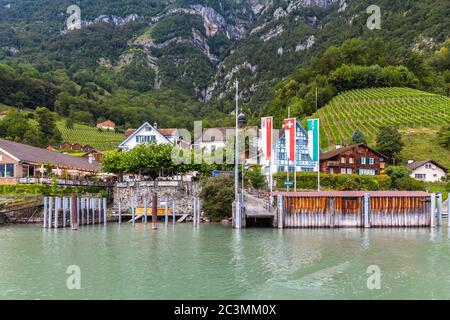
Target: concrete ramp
{"x": 256, "y": 207}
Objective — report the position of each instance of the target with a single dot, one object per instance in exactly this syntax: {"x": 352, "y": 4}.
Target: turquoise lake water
{"x": 217, "y": 262}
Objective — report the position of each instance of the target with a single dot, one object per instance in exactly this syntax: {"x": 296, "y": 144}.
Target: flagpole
{"x": 236, "y": 165}
{"x": 289, "y": 160}
{"x": 318, "y": 155}
{"x": 295, "y": 155}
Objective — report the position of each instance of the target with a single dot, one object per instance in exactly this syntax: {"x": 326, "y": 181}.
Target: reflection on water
{"x": 217, "y": 262}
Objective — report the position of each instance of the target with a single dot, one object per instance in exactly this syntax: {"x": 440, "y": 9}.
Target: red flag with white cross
{"x": 289, "y": 132}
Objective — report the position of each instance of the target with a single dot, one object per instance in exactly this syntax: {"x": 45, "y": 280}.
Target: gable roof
{"x": 418, "y": 164}
{"x": 145, "y": 124}
{"x": 107, "y": 123}
{"x": 25, "y": 153}
{"x": 169, "y": 132}
{"x": 334, "y": 153}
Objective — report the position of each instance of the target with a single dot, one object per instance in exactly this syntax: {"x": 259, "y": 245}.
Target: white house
{"x": 428, "y": 170}
{"x": 146, "y": 134}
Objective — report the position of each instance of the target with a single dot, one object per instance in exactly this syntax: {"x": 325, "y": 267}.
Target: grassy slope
{"x": 106, "y": 140}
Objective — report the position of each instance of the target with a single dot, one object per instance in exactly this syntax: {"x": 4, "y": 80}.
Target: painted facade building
{"x": 304, "y": 163}
{"x": 149, "y": 134}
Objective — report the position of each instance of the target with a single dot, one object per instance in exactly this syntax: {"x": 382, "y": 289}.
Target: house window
{"x": 420, "y": 176}
{"x": 371, "y": 161}
{"x": 145, "y": 139}
{"x": 367, "y": 172}
{"x": 363, "y": 160}
{"x": 349, "y": 171}
{"x": 350, "y": 160}
{"x": 342, "y": 160}
{"x": 6, "y": 170}
{"x": 343, "y": 170}
{"x": 331, "y": 170}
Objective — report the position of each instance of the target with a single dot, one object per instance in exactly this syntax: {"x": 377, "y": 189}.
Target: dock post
{"x": 439, "y": 209}
{"x": 198, "y": 212}
{"x": 83, "y": 207}
{"x": 88, "y": 210}
{"x": 173, "y": 211}
{"x": 432, "y": 208}
{"x": 195, "y": 211}
{"x": 74, "y": 212}
{"x": 133, "y": 210}
{"x": 280, "y": 212}
{"x": 94, "y": 207}
{"x": 105, "y": 212}
{"x": 57, "y": 207}
{"x": 155, "y": 211}
{"x": 120, "y": 212}
{"x": 78, "y": 210}
{"x": 166, "y": 216}
{"x": 50, "y": 212}
{"x": 70, "y": 211}
{"x": 145, "y": 210}
{"x": 99, "y": 211}
{"x": 366, "y": 210}
{"x": 45, "y": 211}
{"x": 64, "y": 206}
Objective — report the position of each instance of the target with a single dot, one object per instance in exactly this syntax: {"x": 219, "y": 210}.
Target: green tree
{"x": 358, "y": 137}
{"x": 255, "y": 177}
{"x": 217, "y": 197}
{"x": 69, "y": 123}
{"x": 48, "y": 132}
{"x": 444, "y": 137}
{"x": 389, "y": 142}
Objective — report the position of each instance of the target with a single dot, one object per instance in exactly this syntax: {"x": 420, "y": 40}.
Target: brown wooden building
{"x": 355, "y": 159}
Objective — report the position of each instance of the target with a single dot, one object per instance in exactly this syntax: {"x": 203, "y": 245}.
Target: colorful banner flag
{"x": 289, "y": 132}
{"x": 267, "y": 129}
{"x": 313, "y": 139}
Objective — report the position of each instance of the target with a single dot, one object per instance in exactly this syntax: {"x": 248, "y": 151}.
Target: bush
{"x": 308, "y": 181}
{"x": 409, "y": 184}
{"x": 217, "y": 196}
{"x": 49, "y": 190}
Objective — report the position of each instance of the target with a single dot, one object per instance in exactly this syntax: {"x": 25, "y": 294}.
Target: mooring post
{"x": 195, "y": 211}
{"x": 439, "y": 209}
{"x": 105, "y": 211}
{"x": 71, "y": 211}
{"x": 133, "y": 210}
{"x": 74, "y": 212}
{"x": 50, "y": 212}
{"x": 99, "y": 212}
{"x": 94, "y": 207}
{"x": 57, "y": 206}
{"x": 155, "y": 211}
{"x": 173, "y": 211}
{"x": 64, "y": 205}
{"x": 432, "y": 208}
{"x": 166, "y": 216}
{"x": 120, "y": 212}
{"x": 83, "y": 207}
{"x": 199, "y": 217}
{"x": 88, "y": 210}
{"x": 145, "y": 210}
{"x": 280, "y": 201}
{"x": 45, "y": 211}
{"x": 78, "y": 210}
{"x": 366, "y": 210}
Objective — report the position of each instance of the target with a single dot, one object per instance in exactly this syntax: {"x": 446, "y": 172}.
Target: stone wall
{"x": 182, "y": 193}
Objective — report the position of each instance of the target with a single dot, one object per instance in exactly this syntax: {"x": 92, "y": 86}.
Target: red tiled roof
{"x": 107, "y": 123}
{"x": 168, "y": 132}
{"x": 129, "y": 132}
{"x": 29, "y": 154}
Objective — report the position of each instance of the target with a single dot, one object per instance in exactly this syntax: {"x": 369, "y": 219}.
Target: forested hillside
{"x": 176, "y": 61}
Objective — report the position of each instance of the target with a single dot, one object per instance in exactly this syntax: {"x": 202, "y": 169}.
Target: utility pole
{"x": 236, "y": 164}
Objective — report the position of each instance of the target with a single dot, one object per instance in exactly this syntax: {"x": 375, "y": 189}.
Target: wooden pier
{"x": 376, "y": 209}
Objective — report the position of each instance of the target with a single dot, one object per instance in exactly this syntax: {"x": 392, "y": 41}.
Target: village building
{"x": 428, "y": 170}
{"x": 106, "y": 125}
{"x": 147, "y": 133}
{"x": 66, "y": 146}
{"x": 303, "y": 162}
{"x": 354, "y": 159}
{"x": 94, "y": 155}
{"x": 21, "y": 163}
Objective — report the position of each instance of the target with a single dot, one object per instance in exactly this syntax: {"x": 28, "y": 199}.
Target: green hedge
{"x": 308, "y": 181}
{"x": 49, "y": 190}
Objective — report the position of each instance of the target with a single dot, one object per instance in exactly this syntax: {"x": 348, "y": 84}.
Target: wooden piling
{"x": 155, "y": 211}
{"x": 64, "y": 209}
{"x": 88, "y": 210}
{"x": 366, "y": 210}
{"x": 57, "y": 206}
{"x": 145, "y": 210}
{"x": 133, "y": 210}
{"x": 78, "y": 202}
{"x": 199, "y": 215}
{"x": 105, "y": 211}
{"x": 195, "y": 212}
{"x": 74, "y": 212}
{"x": 166, "y": 215}
{"x": 99, "y": 211}
{"x": 432, "y": 209}
{"x": 45, "y": 211}
{"x": 439, "y": 209}
{"x": 173, "y": 212}
{"x": 280, "y": 212}
{"x": 120, "y": 212}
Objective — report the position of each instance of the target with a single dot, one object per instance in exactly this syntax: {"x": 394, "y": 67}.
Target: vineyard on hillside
{"x": 368, "y": 109}
{"x": 105, "y": 140}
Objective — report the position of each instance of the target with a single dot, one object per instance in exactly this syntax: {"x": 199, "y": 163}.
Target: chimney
{"x": 155, "y": 125}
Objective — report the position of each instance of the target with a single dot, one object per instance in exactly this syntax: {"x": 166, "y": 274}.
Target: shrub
{"x": 217, "y": 196}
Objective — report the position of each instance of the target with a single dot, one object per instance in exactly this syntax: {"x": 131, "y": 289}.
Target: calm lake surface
{"x": 217, "y": 262}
